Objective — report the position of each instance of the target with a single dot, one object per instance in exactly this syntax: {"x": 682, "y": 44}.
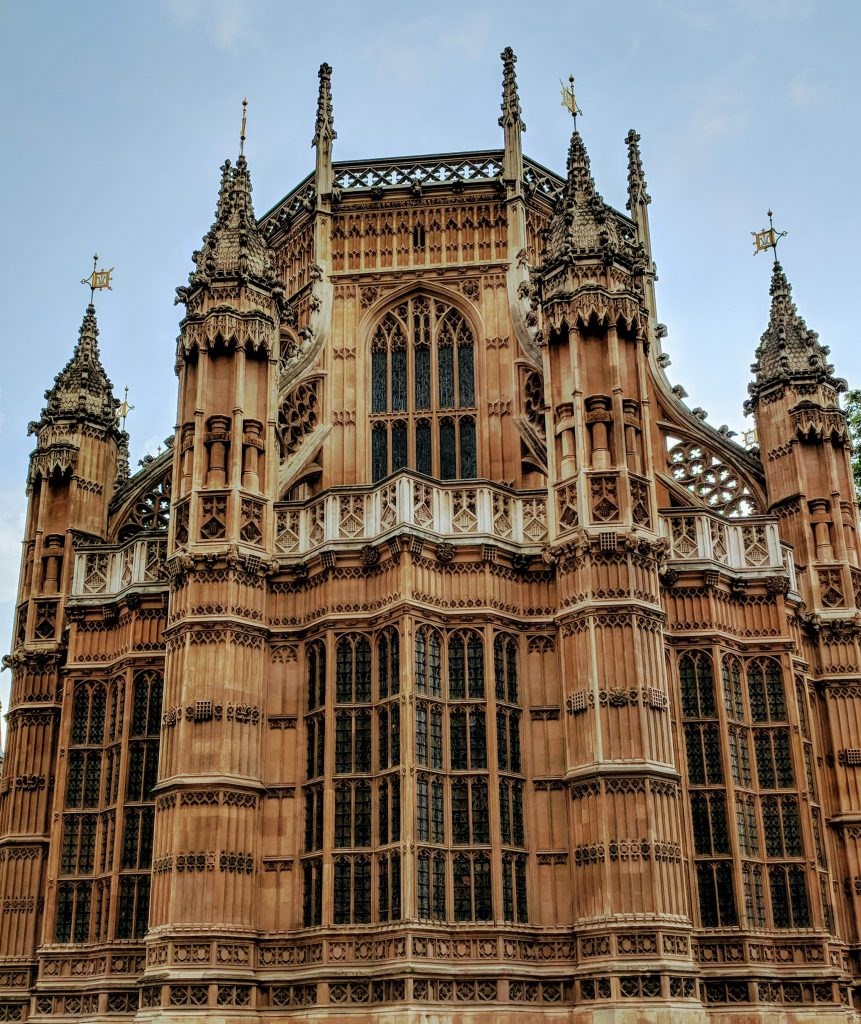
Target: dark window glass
{"x": 466, "y": 376}
{"x": 399, "y": 380}
{"x": 422, "y": 363}
{"x": 379, "y": 380}
{"x": 468, "y": 461}
{"x": 424, "y": 448}
{"x": 447, "y": 450}
{"x": 697, "y": 685}
{"x": 399, "y": 446}
{"x": 379, "y": 451}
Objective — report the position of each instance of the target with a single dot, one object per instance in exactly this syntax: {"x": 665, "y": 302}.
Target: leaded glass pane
{"x": 483, "y": 901}
{"x": 459, "y": 812}
{"x": 475, "y": 666}
{"x": 466, "y": 376}
{"x": 447, "y": 450}
{"x": 477, "y": 740}
{"x": 363, "y": 741}
{"x": 399, "y": 446}
{"x": 399, "y": 380}
{"x": 445, "y": 357}
{"x": 424, "y": 448}
{"x": 362, "y": 814}
{"x": 439, "y": 908}
{"x": 480, "y": 822}
{"x": 457, "y": 731}
{"x": 468, "y": 461}
{"x": 379, "y": 381}
{"x": 422, "y": 376}
{"x": 462, "y": 888}
{"x": 437, "y": 805}
{"x": 456, "y": 682}
{"x": 379, "y": 451}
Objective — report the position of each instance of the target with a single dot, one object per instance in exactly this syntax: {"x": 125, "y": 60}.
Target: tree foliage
{"x": 852, "y": 404}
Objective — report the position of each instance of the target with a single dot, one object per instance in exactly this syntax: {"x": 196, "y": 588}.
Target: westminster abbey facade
{"x": 446, "y": 667}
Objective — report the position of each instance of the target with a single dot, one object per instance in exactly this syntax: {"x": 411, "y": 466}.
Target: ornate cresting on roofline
{"x": 415, "y": 173}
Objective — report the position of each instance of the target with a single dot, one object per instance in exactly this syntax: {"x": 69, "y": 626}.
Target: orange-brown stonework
{"x": 446, "y": 668}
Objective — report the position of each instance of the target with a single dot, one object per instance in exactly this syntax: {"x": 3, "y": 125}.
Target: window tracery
{"x": 717, "y": 485}
{"x": 423, "y": 397}
{"x": 151, "y": 510}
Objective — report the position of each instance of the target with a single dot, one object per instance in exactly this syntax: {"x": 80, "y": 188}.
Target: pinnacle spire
{"x": 580, "y": 185}
{"x": 511, "y": 110}
{"x": 788, "y": 348}
{"x": 582, "y": 223}
{"x": 82, "y": 389}
{"x": 324, "y": 127}
{"x": 637, "y": 194}
{"x": 233, "y": 246}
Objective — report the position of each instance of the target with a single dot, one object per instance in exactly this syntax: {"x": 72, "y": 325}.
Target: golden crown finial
{"x": 98, "y": 279}
{"x": 569, "y": 101}
{"x": 767, "y": 238}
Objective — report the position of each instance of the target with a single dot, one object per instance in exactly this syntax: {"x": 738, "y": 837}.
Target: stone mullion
{"x": 54, "y": 829}
{"x": 493, "y": 813}
{"x": 326, "y": 854}
{"x": 729, "y": 786}
{"x": 409, "y": 767}
{"x": 805, "y": 809}
{"x": 122, "y": 803}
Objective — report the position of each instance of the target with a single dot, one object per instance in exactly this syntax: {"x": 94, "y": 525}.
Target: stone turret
{"x": 804, "y": 440}
{"x": 72, "y": 476}
{"x": 225, "y": 479}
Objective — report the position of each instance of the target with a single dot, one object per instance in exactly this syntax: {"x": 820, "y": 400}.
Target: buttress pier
{"x": 446, "y": 666}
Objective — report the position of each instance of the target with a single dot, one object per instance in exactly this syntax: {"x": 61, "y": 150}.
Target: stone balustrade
{"x": 749, "y": 545}
{"x": 454, "y": 509}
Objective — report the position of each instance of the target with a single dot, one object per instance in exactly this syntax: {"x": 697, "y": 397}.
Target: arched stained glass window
{"x": 423, "y": 364}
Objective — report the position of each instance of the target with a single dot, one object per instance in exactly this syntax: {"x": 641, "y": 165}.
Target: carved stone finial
{"x": 637, "y": 194}
{"x": 511, "y": 111}
{"x": 233, "y": 247}
{"x": 580, "y": 184}
{"x": 82, "y": 390}
{"x": 788, "y": 348}
{"x": 324, "y": 127}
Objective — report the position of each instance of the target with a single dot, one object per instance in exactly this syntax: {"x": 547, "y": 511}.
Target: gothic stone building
{"x": 446, "y": 667}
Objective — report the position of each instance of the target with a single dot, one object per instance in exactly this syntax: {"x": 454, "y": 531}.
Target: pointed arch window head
{"x": 423, "y": 395}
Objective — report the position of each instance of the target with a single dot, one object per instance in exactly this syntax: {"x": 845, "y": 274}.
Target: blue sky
{"x": 118, "y": 115}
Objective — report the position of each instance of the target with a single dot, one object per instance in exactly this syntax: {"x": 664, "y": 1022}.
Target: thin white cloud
{"x": 226, "y": 22}
{"x": 806, "y": 94}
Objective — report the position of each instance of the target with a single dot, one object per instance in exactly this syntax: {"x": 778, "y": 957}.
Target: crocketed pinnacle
{"x": 324, "y": 127}
{"x": 580, "y": 224}
{"x": 637, "y": 194}
{"x": 82, "y": 390}
{"x": 511, "y": 112}
{"x": 788, "y": 347}
{"x": 233, "y": 247}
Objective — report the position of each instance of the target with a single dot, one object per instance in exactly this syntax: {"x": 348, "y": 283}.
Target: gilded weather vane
{"x": 767, "y": 238}
{"x": 99, "y": 279}
{"x": 123, "y": 409}
{"x": 568, "y": 99}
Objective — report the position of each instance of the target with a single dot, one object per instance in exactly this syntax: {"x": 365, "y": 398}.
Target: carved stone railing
{"x": 413, "y": 172}
{"x": 111, "y": 570}
{"x": 751, "y": 545}
{"x": 349, "y": 515}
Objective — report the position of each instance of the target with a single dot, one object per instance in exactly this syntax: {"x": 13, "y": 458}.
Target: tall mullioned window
{"x": 459, "y": 706}
{"x": 423, "y": 395}
{"x": 113, "y": 724}
{"x": 756, "y": 813}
